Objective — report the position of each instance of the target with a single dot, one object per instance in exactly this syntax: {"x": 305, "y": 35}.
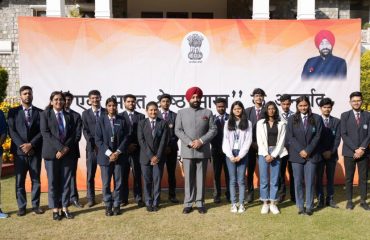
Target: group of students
{"x": 119, "y": 142}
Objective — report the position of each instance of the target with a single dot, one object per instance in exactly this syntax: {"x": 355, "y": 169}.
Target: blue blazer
{"x": 50, "y": 134}
{"x": 331, "y": 67}
{"x": 251, "y": 116}
{"x": 133, "y": 127}
{"x": 354, "y": 136}
{"x": 19, "y": 132}
{"x": 89, "y": 126}
{"x": 300, "y": 139}
{"x": 152, "y": 146}
{"x": 103, "y": 135}
{"x": 330, "y": 137}
{"x": 172, "y": 138}
{"x": 216, "y": 142}
{"x": 78, "y": 125}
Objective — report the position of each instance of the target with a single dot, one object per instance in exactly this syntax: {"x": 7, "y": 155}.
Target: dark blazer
{"x": 78, "y": 125}
{"x": 353, "y": 136}
{"x": 301, "y": 139}
{"x": 133, "y": 127}
{"x": 331, "y": 67}
{"x": 88, "y": 122}
{"x": 216, "y": 142}
{"x": 172, "y": 138}
{"x": 103, "y": 136}
{"x": 251, "y": 116}
{"x": 20, "y": 133}
{"x": 330, "y": 137}
{"x": 150, "y": 146}
{"x": 50, "y": 134}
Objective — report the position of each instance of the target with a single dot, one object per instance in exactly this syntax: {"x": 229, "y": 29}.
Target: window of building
{"x": 151, "y": 14}
{"x": 204, "y": 15}
{"x": 177, "y": 15}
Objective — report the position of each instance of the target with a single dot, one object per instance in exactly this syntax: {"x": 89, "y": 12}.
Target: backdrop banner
{"x": 226, "y": 58}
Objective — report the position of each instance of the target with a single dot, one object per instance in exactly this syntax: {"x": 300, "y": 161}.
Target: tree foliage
{"x": 3, "y": 83}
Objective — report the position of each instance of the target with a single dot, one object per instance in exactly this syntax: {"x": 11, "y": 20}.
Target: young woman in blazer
{"x": 58, "y": 134}
{"x": 270, "y": 139}
{"x": 236, "y": 142}
{"x": 111, "y": 137}
{"x": 303, "y": 136}
{"x": 152, "y": 134}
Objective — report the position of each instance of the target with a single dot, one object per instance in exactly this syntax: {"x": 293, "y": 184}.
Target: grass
{"x": 170, "y": 223}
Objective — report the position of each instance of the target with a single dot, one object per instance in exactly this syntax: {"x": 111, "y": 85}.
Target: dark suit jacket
{"x": 301, "y": 139}
{"x": 20, "y": 134}
{"x": 78, "y": 125}
{"x": 331, "y": 67}
{"x": 216, "y": 142}
{"x": 50, "y": 134}
{"x": 89, "y": 125}
{"x": 172, "y": 138}
{"x": 103, "y": 136}
{"x": 353, "y": 136}
{"x": 251, "y": 116}
{"x": 133, "y": 127}
{"x": 330, "y": 137}
{"x": 150, "y": 146}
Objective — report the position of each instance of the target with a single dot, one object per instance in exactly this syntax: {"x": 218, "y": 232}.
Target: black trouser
{"x": 136, "y": 172}
{"x": 74, "y": 190}
{"x": 350, "y": 168}
{"x": 152, "y": 183}
{"x": 91, "y": 165}
{"x": 219, "y": 162}
{"x": 329, "y": 167}
{"x": 24, "y": 164}
{"x": 171, "y": 160}
{"x": 251, "y": 166}
{"x": 114, "y": 170}
{"x": 282, "y": 185}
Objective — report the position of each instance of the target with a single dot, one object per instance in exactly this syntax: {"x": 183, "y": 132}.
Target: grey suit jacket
{"x": 192, "y": 124}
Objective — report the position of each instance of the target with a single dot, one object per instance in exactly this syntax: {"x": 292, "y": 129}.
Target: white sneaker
{"x": 274, "y": 209}
{"x": 241, "y": 209}
{"x": 265, "y": 209}
{"x": 234, "y": 208}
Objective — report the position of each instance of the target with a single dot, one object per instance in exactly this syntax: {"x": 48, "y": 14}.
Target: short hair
{"x": 285, "y": 97}
{"x": 23, "y": 88}
{"x": 258, "y": 91}
{"x": 220, "y": 100}
{"x": 94, "y": 92}
{"x": 165, "y": 95}
{"x": 112, "y": 99}
{"x": 68, "y": 94}
{"x": 129, "y": 96}
{"x": 151, "y": 103}
{"x": 326, "y": 101}
{"x": 355, "y": 94}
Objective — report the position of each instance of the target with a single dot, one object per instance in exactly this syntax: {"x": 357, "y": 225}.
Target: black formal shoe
{"x": 56, "y": 216}
{"x": 281, "y": 198}
{"x": 91, "y": 203}
{"x": 301, "y": 211}
{"x": 173, "y": 200}
{"x": 320, "y": 203}
{"x": 123, "y": 204}
{"x": 77, "y": 204}
{"x": 37, "y": 210}
{"x": 365, "y": 206}
{"x": 21, "y": 212}
{"x": 149, "y": 208}
{"x": 67, "y": 214}
{"x": 187, "y": 210}
{"x": 108, "y": 211}
{"x": 155, "y": 208}
{"x": 140, "y": 204}
{"x": 331, "y": 204}
{"x": 350, "y": 205}
{"x": 217, "y": 200}
{"x": 308, "y": 212}
{"x": 202, "y": 210}
{"x": 116, "y": 211}
{"x": 250, "y": 197}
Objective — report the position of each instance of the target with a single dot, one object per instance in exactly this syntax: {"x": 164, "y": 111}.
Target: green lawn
{"x": 170, "y": 223}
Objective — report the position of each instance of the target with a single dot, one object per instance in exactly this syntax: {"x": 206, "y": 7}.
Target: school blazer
{"x": 330, "y": 137}
{"x": 172, "y": 138}
{"x": 353, "y": 136}
{"x": 132, "y": 139}
{"x": 89, "y": 126}
{"x": 245, "y": 140}
{"x": 300, "y": 139}
{"x": 50, "y": 134}
{"x": 78, "y": 125}
{"x": 279, "y": 150}
{"x": 20, "y": 134}
{"x": 152, "y": 146}
{"x": 103, "y": 134}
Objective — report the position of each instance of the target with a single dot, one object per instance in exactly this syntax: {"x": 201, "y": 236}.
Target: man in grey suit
{"x": 196, "y": 128}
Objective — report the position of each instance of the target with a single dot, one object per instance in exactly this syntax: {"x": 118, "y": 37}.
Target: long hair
{"x": 297, "y": 115}
{"x": 265, "y": 112}
{"x": 52, "y": 95}
{"x": 243, "y": 124}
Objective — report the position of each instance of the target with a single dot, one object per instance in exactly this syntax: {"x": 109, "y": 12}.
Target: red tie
{"x": 258, "y": 114}
{"x": 358, "y": 119}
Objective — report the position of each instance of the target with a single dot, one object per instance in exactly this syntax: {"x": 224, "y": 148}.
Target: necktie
{"x": 222, "y": 120}
{"x": 165, "y": 116}
{"x": 153, "y": 127}
{"x": 28, "y": 117}
{"x": 305, "y": 122}
{"x": 60, "y": 127}
{"x": 358, "y": 119}
{"x": 130, "y": 117}
{"x": 286, "y": 115}
{"x": 111, "y": 120}
{"x": 326, "y": 122}
{"x": 258, "y": 114}
{"x": 96, "y": 116}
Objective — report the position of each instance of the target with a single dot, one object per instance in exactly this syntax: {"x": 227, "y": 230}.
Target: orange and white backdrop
{"x": 146, "y": 57}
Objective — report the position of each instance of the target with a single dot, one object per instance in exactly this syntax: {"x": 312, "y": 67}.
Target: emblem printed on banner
{"x": 195, "y": 47}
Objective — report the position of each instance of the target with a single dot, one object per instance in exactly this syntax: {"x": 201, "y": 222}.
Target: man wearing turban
{"x": 195, "y": 128}
{"x": 326, "y": 65}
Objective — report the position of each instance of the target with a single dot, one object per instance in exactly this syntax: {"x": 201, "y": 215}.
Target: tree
{"x": 3, "y": 83}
